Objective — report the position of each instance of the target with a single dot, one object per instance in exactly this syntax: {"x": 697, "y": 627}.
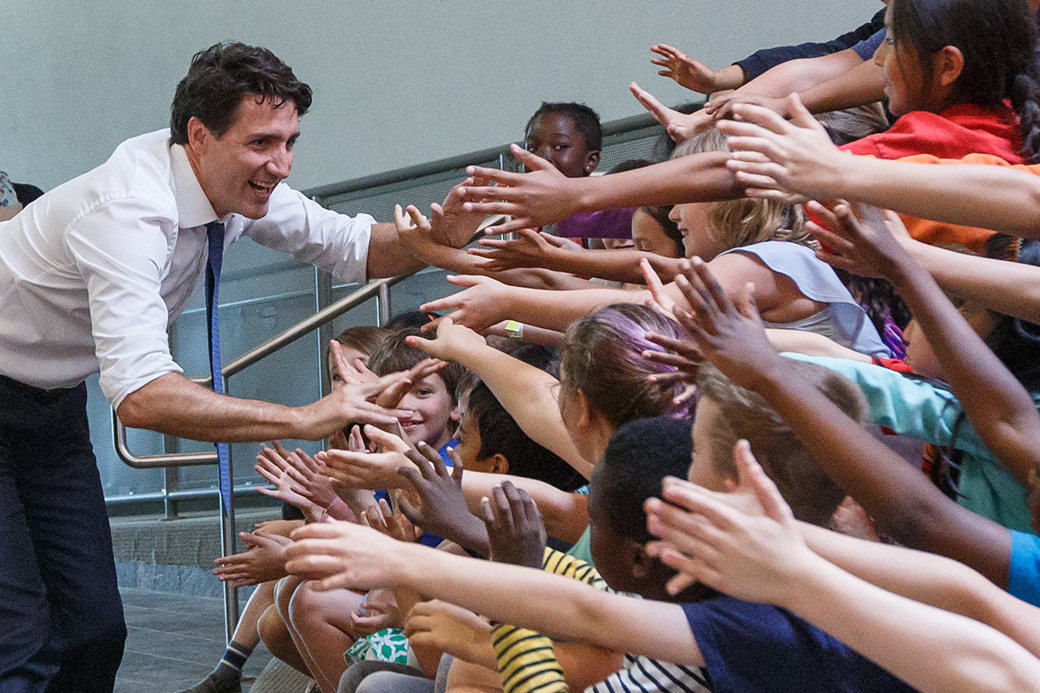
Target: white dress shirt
{"x": 92, "y": 273}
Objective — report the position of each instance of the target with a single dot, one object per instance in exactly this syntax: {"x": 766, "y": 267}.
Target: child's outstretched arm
{"x": 918, "y": 575}
{"x": 533, "y": 250}
{"x": 825, "y": 83}
{"x": 340, "y": 554}
{"x": 485, "y": 302}
{"x": 898, "y": 496}
{"x": 545, "y": 196}
{"x": 526, "y": 392}
{"x": 770, "y": 153}
{"x": 420, "y": 236}
{"x": 995, "y": 402}
{"x": 762, "y": 557}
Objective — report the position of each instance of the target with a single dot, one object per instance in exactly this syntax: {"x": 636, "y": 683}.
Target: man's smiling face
{"x": 239, "y": 170}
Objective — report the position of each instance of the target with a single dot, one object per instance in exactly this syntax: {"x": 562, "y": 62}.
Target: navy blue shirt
{"x": 760, "y": 61}
{"x": 756, "y": 648}
{"x": 866, "y": 49}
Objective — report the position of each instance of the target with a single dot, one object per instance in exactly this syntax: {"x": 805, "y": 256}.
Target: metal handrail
{"x": 614, "y": 127}
{"x": 276, "y": 343}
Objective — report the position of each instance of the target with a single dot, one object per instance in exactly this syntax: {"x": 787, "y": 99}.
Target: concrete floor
{"x": 173, "y": 641}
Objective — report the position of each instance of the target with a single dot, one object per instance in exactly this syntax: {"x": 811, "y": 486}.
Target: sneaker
{"x": 215, "y": 684}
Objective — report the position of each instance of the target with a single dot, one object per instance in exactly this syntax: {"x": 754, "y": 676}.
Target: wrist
{"x": 307, "y": 422}
{"x": 766, "y": 374}
{"x": 475, "y": 537}
{"x": 809, "y": 586}
{"x": 402, "y": 565}
{"x": 807, "y": 577}
{"x": 905, "y": 272}
{"x": 732, "y": 77}
{"x": 581, "y": 195}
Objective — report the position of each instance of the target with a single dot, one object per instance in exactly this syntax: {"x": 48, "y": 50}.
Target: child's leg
{"x": 464, "y": 677}
{"x": 275, "y": 633}
{"x": 322, "y": 621}
{"x": 227, "y": 677}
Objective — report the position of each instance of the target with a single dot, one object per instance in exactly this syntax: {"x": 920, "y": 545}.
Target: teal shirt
{"x": 916, "y": 409}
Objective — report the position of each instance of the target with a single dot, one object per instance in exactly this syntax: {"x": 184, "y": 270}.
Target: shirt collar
{"x": 193, "y": 207}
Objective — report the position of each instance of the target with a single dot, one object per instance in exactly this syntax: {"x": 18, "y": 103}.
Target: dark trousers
{"x": 61, "y": 618}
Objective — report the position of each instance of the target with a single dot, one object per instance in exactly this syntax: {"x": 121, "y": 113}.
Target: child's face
{"x": 433, "y": 414}
{"x": 702, "y": 471}
{"x": 554, "y": 137}
{"x": 608, "y": 548}
{"x": 468, "y": 439}
{"x": 619, "y": 243}
{"x": 696, "y": 230}
{"x": 648, "y": 236}
{"x": 905, "y": 85}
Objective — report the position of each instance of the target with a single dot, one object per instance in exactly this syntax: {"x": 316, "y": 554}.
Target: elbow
{"x": 132, "y": 411}
{"x": 136, "y": 413}
{"x": 142, "y": 408}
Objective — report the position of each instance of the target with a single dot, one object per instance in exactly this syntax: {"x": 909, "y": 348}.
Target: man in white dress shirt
{"x": 91, "y": 274}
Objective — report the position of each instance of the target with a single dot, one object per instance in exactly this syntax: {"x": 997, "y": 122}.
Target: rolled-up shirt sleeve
{"x": 120, "y": 250}
{"x": 310, "y": 233}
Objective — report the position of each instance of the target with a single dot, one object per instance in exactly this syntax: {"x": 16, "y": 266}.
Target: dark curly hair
{"x": 218, "y": 79}
{"x": 586, "y": 121}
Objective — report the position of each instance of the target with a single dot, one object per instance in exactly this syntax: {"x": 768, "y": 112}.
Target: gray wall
{"x": 396, "y": 82}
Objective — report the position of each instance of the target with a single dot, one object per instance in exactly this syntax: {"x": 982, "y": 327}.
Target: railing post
{"x": 227, "y": 544}
{"x": 227, "y": 548}
{"x": 169, "y": 484}
{"x": 383, "y": 305}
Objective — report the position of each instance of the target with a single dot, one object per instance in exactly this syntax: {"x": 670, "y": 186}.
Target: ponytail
{"x": 1025, "y": 101}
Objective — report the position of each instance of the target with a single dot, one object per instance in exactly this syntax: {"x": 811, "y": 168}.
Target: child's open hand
{"x": 448, "y": 628}
{"x": 687, "y": 72}
{"x": 514, "y": 526}
{"x": 369, "y": 470}
{"x": 680, "y": 126}
{"x": 263, "y": 562}
{"x": 442, "y": 507}
{"x": 394, "y": 525}
{"x": 734, "y": 340}
{"x": 532, "y": 249}
{"x": 392, "y": 395}
{"x": 776, "y": 157}
{"x": 343, "y": 554}
{"x": 276, "y": 470}
{"x": 757, "y": 556}
{"x": 542, "y": 196}
{"x": 480, "y": 305}
{"x": 453, "y": 340}
{"x": 861, "y": 239}
{"x": 350, "y": 373}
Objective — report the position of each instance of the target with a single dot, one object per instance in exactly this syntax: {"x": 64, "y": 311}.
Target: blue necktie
{"x": 215, "y": 236}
